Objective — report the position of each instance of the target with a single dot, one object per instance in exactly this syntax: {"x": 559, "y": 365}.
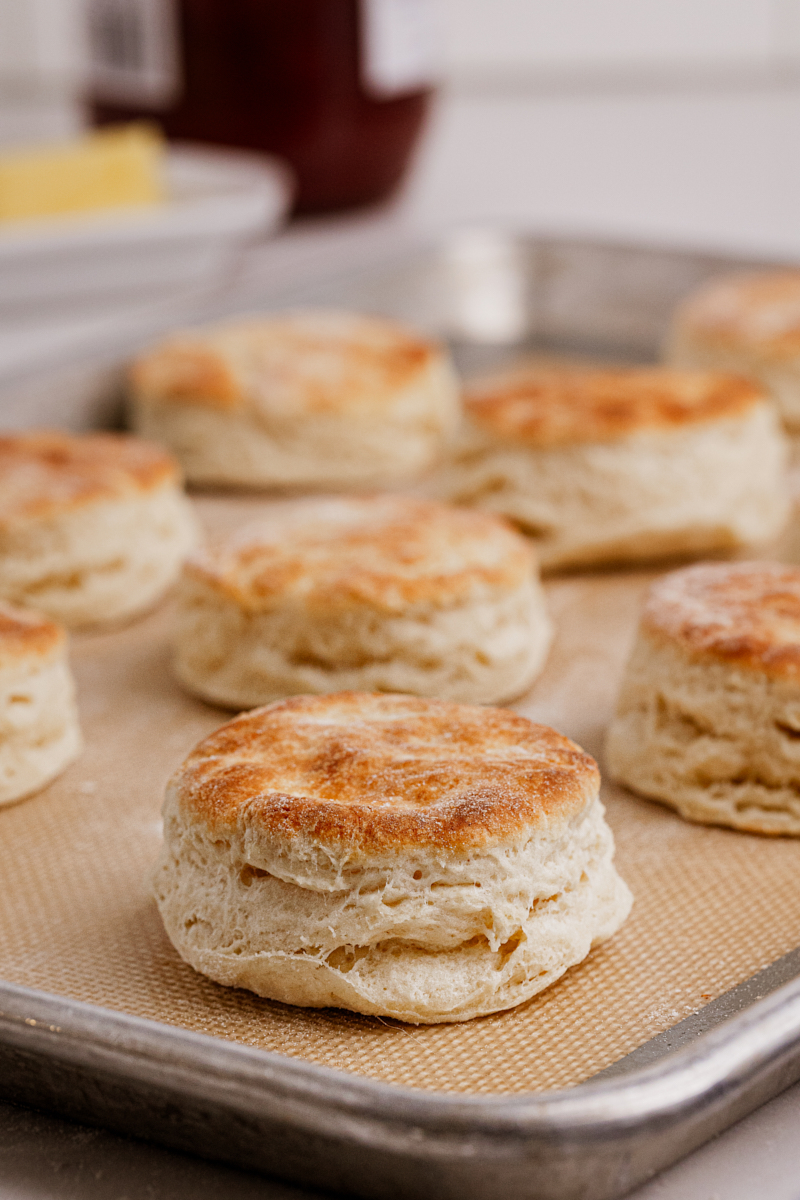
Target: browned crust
{"x": 551, "y": 406}
{"x": 758, "y": 313}
{"x": 27, "y": 635}
{"x": 368, "y": 773}
{"x": 307, "y": 362}
{"x": 182, "y": 371}
{"x": 389, "y": 552}
{"x": 747, "y": 614}
{"x": 45, "y": 473}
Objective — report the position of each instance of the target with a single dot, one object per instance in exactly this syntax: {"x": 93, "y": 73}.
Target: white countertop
{"x": 42, "y": 1158}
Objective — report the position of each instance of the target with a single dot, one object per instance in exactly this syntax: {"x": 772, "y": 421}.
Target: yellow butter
{"x": 121, "y": 166}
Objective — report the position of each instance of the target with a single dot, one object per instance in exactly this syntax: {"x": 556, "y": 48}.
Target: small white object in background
{"x": 487, "y": 289}
{"x": 43, "y": 60}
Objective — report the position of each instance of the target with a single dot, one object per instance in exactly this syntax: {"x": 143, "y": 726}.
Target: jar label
{"x": 401, "y": 46}
{"x": 134, "y": 52}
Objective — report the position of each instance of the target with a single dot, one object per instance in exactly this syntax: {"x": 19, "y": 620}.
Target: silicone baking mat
{"x": 77, "y": 919}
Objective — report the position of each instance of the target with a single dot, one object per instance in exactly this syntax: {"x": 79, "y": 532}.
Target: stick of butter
{"x": 111, "y": 168}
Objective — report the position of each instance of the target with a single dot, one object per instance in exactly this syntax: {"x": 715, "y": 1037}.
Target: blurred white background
{"x": 676, "y": 122}
{"x": 672, "y": 122}
{"x": 527, "y": 41}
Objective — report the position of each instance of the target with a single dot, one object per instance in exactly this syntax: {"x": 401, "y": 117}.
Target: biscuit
{"x": 310, "y": 399}
{"x": 603, "y": 466}
{"x": 747, "y": 324}
{"x": 708, "y": 717}
{"x": 39, "y": 732}
{"x": 376, "y": 593}
{"x": 92, "y": 528}
{"x": 402, "y": 857}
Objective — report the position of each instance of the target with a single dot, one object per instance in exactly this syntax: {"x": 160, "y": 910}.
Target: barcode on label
{"x": 401, "y": 45}
{"x": 134, "y": 51}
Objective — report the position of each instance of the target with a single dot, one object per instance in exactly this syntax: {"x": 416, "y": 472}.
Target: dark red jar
{"x": 291, "y": 77}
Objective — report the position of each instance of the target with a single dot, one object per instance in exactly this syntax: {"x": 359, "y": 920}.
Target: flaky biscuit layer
{"x": 708, "y": 716}
{"x": 39, "y": 732}
{"x": 312, "y": 399}
{"x": 710, "y": 485}
{"x": 380, "y": 593}
{"x": 409, "y": 858}
{"x": 748, "y": 324}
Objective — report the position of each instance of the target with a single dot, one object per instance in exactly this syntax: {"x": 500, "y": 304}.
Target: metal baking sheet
{"x": 580, "y": 1093}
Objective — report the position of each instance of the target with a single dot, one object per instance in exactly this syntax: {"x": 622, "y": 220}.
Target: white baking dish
{"x": 80, "y": 266}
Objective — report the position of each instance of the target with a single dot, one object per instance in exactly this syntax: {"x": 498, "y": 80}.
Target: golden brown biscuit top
{"x": 747, "y": 614}
{"x": 758, "y": 312}
{"x": 553, "y": 406}
{"x": 27, "y": 635}
{"x": 370, "y": 773}
{"x": 390, "y": 552}
{"x": 44, "y": 473}
{"x": 286, "y": 366}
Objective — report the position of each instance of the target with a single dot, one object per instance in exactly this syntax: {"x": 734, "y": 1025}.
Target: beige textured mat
{"x": 76, "y": 918}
